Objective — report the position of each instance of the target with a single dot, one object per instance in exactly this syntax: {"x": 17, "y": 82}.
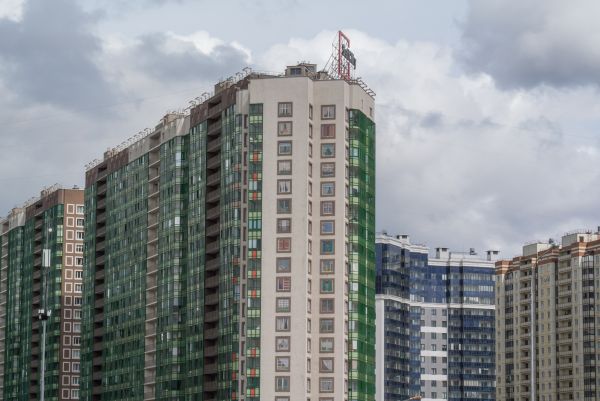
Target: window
{"x": 76, "y": 340}
{"x": 282, "y": 383}
{"x": 78, "y": 248}
{"x": 326, "y": 384}
{"x": 327, "y": 305}
{"x": 282, "y": 323}
{"x": 282, "y": 344}
{"x": 326, "y": 325}
{"x": 283, "y": 305}
{"x": 284, "y": 225}
{"x": 284, "y": 109}
{"x": 78, "y": 287}
{"x": 284, "y": 148}
{"x": 284, "y": 186}
{"x": 80, "y": 209}
{"x": 327, "y": 208}
{"x": 77, "y": 300}
{"x": 75, "y": 381}
{"x": 328, "y": 112}
{"x": 284, "y": 284}
{"x": 327, "y": 227}
{"x": 284, "y": 128}
{"x": 327, "y": 131}
{"x": 80, "y": 235}
{"x": 327, "y": 170}
{"x": 282, "y": 398}
{"x": 78, "y": 273}
{"x": 327, "y": 266}
{"x": 284, "y": 265}
{"x": 327, "y": 247}
{"x": 282, "y": 363}
{"x": 284, "y": 244}
{"x": 326, "y": 365}
{"x": 310, "y": 111}
{"x": 75, "y": 367}
{"x": 328, "y": 189}
{"x": 327, "y": 150}
{"x": 284, "y": 167}
{"x": 327, "y": 286}
{"x": 76, "y": 314}
{"x": 75, "y": 354}
{"x": 326, "y": 344}
{"x": 80, "y": 222}
{"x": 284, "y": 206}
{"x": 76, "y": 327}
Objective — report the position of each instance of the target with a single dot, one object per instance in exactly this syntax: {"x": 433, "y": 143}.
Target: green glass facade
{"x": 254, "y": 257}
{"x": 361, "y": 356}
{"x": 30, "y": 287}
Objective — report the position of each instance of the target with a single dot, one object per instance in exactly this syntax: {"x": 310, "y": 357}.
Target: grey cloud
{"x": 187, "y": 63}
{"x": 532, "y": 42}
{"x": 48, "y": 56}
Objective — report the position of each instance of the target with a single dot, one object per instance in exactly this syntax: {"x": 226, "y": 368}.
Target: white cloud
{"x": 461, "y": 162}
{"x": 11, "y": 9}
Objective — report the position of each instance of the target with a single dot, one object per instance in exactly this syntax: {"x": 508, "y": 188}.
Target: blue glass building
{"x": 435, "y": 323}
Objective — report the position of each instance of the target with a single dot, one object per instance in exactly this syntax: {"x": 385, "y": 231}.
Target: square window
{"x": 328, "y": 189}
{"x": 327, "y": 227}
{"x": 70, "y": 208}
{"x": 327, "y": 150}
{"x": 284, "y": 128}
{"x": 282, "y": 363}
{"x": 75, "y": 354}
{"x": 282, "y": 344}
{"x": 327, "y": 247}
{"x": 282, "y": 323}
{"x": 326, "y": 384}
{"x": 327, "y": 266}
{"x": 284, "y": 284}
{"x": 284, "y": 148}
{"x": 66, "y": 340}
{"x": 327, "y": 170}
{"x": 327, "y": 286}
{"x": 284, "y": 186}
{"x": 327, "y": 131}
{"x": 78, "y": 248}
{"x": 67, "y": 313}
{"x": 326, "y": 344}
{"x": 78, "y": 287}
{"x": 65, "y": 393}
{"x": 66, "y": 380}
{"x": 282, "y": 383}
{"x": 78, "y": 274}
{"x": 77, "y": 301}
{"x": 75, "y": 367}
{"x": 326, "y": 325}
{"x": 75, "y": 394}
{"x": 79, "y": 235}
{"x": 76, "y": 340}
{"x": 327, "y": 305}
{"x": 80, "y": 222}
{"x": 80, "y": 209}
{"x": 284, "y": 109}
{"x": 284, "y": 225}
{"x": 75, "y": 381}
{"x": 284, "y": 206}
{"x": 76, "y": 327}
{"x": 284, "y": 167}
{"x": 283, "y": 305}
{"x": 327, "y": 208}
{"x": 326, "y": 365}
{"x": 284, "y": 244}
{"x": 284, "y": 265}
{"x": 77, "y": 314}
{"x": 328, "y": 112}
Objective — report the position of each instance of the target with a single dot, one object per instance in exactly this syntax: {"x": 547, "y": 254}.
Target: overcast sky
{"x": 487, "y": 111}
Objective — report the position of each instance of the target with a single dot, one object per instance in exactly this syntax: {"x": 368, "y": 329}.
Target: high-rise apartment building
{"x": 435, "y": 323}
{"x": 230, "y": 250}
{"x": 52, "y": 225}
{"x": 548, "y": 321}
